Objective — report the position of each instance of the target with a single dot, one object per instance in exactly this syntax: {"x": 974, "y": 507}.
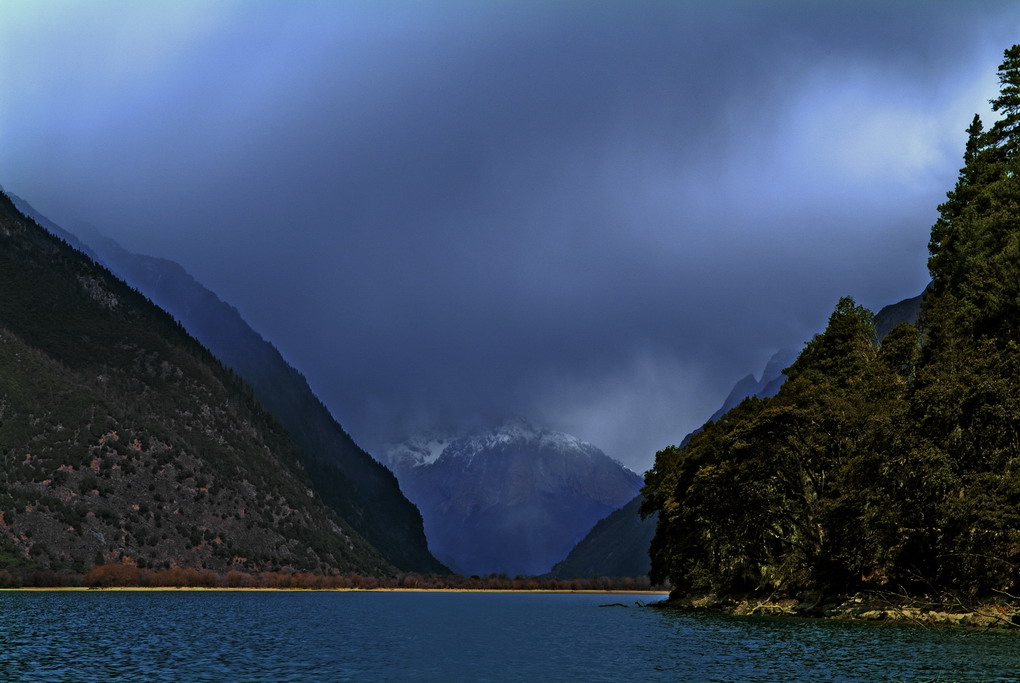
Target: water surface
{"x": 327, "y": 636}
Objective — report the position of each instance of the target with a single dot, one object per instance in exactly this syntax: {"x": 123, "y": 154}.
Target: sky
{"x": 594, "y": 215}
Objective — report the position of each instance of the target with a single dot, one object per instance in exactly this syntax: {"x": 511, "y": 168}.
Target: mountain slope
{"x": 510, "y": 500}
{"x": 616, "y": 546}
{"x": 122, "y": 439}
{"x": 359, "y": 489}
{"x": 771, "y": 379}
{"x": 906, "y": 311}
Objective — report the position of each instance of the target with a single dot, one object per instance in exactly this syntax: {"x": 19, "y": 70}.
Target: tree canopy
{"x": 888, "y": 465}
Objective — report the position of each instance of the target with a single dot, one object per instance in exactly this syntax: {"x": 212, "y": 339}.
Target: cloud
{"x": 632, "y": 408}
{"x": 597, "y": 216}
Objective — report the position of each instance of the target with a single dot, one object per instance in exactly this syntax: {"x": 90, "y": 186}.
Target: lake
{"x": 384, "y": 636}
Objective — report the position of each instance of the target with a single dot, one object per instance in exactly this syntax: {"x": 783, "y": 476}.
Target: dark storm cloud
{"x": 597, "y": 215}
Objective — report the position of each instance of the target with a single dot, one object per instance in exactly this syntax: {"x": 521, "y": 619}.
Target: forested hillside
{"x": 891, "y": 466}
{"x": 122, "y": 440}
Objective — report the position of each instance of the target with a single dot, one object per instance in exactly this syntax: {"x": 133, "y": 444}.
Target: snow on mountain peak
{"x": 426, "y": 448}
{"x": 513, "y": 498}
{"x": 421, "y": 449}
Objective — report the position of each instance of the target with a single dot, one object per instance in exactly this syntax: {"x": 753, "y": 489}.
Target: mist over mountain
{"x": 767, "y": 385}
{"x": 357, "y": 487}
{"x": 509, "y": 500}
{"x": 618, "y": 544}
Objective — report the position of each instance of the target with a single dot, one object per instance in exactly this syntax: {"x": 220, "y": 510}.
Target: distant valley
{"x": 508, "y": 500}
{"x": 513, "y": 500}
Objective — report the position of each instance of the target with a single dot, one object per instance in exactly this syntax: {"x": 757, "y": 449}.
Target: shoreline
{"x": 994, "y": 613}
{"x": 126, "y": 589}
{"x": 998, "y": 614}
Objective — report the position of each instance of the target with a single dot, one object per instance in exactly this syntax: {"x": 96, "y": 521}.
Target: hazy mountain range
{"x": 513, "y": 500}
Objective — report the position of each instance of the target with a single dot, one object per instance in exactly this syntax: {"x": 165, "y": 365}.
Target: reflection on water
{"x": 301, "y": 636}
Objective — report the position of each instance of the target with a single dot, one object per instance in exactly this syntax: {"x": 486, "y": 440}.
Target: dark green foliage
{"x": 893, "y": 466}
{"x": 770, "y": 495}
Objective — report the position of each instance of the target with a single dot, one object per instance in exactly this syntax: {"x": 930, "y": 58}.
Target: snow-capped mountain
{"x": 513, "y": 499}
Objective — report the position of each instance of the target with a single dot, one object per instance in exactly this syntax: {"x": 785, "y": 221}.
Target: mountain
{"x": 771, "y": 379}
{"x": 351, "y": 482}
{"x": 510, "y": 500}
{"x": 906, "y": 311}
{"x": 123, "y": 440}
{"x": 618, "y": 545}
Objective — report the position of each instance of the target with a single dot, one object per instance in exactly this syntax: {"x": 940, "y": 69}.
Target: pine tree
{"x": 946, "y": 240}
{"x": 1003, "y": 134}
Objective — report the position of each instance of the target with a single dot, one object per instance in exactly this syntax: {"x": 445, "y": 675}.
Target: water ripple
{"x": 302, "y": 636}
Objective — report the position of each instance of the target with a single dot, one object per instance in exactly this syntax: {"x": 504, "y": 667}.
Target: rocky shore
{"x": 992, "y": 613}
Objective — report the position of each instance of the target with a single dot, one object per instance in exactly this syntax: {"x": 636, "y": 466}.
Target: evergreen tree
{"x": 975, "y": 244}
{"x": 1003, "y": 134}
